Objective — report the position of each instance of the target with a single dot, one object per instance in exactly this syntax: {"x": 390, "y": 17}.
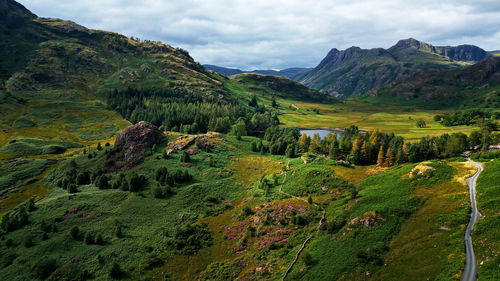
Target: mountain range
{"x": 354, "y": 71}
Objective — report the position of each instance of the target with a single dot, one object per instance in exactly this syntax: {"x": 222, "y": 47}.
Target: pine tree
{"x": 380, "y": 157}
{"x": 334, "y": 150}
{"x": 314, "y": 146}
{"x": 357, "y": 144}
{"x": 365, "y": 154}
{"x": 389, "y": 158}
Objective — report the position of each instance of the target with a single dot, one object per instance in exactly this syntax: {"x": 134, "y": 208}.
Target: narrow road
{"x": 310, "y": 236}
{"x": 470, "y": 270}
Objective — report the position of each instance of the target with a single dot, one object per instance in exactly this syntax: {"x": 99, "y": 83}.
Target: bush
{"x": 185, "y": 157}
{"x": 135, "y": 182}
{"x": 98, "y": 239}
{"x": 89, "y": 238}
{"x": 115, "y": 272}
{"x": 44, "y": 268}
{"x": 103, "y": 182}
{"x": 118, "y": 231}
{"x": 72, "y": 188}
{"x": 189, "y": 239}
{"x": 157, "y": 192}
{"x": 75, "y": 232}
{"x": 247, "y": 211}
{"x": 28, "y": 241}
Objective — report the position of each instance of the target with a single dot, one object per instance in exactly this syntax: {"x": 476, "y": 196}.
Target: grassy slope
{"x": 429, "y": 203}
{"x": 486, "y": 237}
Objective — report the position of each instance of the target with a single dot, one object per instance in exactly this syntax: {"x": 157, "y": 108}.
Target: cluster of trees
{"x": 467, "y": 117}
{"x": 366, "y": 148}
{"x": 177, "y": 110}
{"x": 17, "y": 218}
{"x": 164, "y": 177}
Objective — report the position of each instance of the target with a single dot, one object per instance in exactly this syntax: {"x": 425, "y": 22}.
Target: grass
{"x": 398, "y": 119}
{"x": 485, "y": 238}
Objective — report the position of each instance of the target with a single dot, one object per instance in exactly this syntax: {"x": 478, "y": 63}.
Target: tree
{"x": 135, "y": 182}
{"x": 103, "y": 182}
{"x": 314, "y": 146}
{"x": 380, "y": 157}
{"x": 290, "y": 151}
{"x": 98, "y": 239}
{"x": 185, "y": 157}
{"x": 303, "y": 144}
{"x": 72, "y": 188}
{"x": 421, "y": 123}
{"x": 389, "y": 158}
{"x": 89, "y": 238}
{"x": 273, "y": 103}
{"x": 99, "y": 147}
{"x": 334, "y": 150}
{"x": 83, "y": 178}
{"x": 239, "y": 129}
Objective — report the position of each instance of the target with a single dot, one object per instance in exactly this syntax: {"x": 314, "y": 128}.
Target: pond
{"x": 321, "y": 132}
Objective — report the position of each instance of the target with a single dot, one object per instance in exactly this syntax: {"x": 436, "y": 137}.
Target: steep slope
{"x": 54, "y": 72}
{"x": 475, "y": 86}
{"x": 354, "y": 71}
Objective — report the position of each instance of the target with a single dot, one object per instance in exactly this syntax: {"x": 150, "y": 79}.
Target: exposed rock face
{"x": 134, "y": 143}
{"x": 469, "y": 53}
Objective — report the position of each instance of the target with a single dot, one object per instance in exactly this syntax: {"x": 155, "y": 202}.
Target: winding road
{"x": 470, "y": 270}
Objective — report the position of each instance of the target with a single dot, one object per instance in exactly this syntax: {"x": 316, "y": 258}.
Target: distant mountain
{"x": 289, "y": 72}
{"x": 475, "y": 86}
{"x": 494, "y": 53}
{"x": 354, "y": 71}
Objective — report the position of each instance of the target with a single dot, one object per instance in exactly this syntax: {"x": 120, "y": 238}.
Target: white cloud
{"x": 283, "y": 33}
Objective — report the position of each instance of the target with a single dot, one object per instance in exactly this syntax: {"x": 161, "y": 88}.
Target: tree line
{"x": 374, "y": 147}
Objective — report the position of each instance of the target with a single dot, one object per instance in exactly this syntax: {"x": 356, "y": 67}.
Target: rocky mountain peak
{"x": 414, "y": 44}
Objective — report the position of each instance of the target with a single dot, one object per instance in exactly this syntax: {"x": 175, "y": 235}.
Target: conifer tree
{"x": 380, "y": 157}
{"x": 389, "y": 158}
{"x": 303, "y": 145}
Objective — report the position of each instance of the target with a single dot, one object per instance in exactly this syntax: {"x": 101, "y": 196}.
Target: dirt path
{"x": 310, "y": 236}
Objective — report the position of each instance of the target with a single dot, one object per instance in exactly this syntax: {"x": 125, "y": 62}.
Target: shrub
{"x": 103, "y": 182}
{"x": 44, "y": 268}
{"x": 115, "y": 272}
{"x": 247, "y": 211}
{"x": 75, "y": 232}
{"x": 89, "y": 238}
{"x": 185, "y": 157}
{"x": 189, "y": 239}
{"x": 157, "y": 192}
{"x": 72, "y": 188}
{"x": 98, "y": 239}
{"x": 28, "y": 241}
{"x": 135, "y": 182}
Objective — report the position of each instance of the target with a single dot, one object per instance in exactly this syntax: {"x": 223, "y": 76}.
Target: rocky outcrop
{"x": 134, "y": 143}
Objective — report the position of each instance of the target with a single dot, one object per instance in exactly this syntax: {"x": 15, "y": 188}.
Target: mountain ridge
{"x": 354, "y": 71}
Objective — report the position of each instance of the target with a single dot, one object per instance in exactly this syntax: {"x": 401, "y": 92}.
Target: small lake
{"x": 321, "y": 132}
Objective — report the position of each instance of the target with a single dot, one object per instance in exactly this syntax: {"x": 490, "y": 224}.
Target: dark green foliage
{"x": 307, "y": 259}
{"x": 281, "y": 138}
{"x": 28, "y": 241}
{"x": 115, "y": 271}
{"x": 103, "y": 182}
{"x": 135, "y": 182}
{"x": 190, "y": 238}
{"x": 290, "y": 150}
{"x": 421, "y": 123}
{"x": 464, "y": 117}
{"x": 83, "y": 178}
{"x": 151, "y": 261}
{"x": 44, "y": 268}
{"x": 72, "y": 188}
{"x": 14, "y": 220}
{"x": 247, "y": 211}
{"x": 75, "y": 232}
{"x": 7, "y": 259}
{"x": 185, "y": 157}
{"x": 99, "y": 147}
{"x": 89, "y": 238}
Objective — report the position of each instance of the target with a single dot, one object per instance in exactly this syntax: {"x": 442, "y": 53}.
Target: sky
{"x": 278, "y": 34}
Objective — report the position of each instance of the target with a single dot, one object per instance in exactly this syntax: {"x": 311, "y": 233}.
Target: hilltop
{"x": 288, "y": 72}
{"x": 354, "y": 71}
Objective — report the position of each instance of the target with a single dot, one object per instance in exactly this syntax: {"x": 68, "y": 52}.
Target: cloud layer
{"x": 277, "y": 34}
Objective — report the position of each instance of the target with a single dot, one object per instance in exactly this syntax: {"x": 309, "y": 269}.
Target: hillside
{"x": 474, "y": 86}
{"x": 288, "y": 72}
{"x": 354, "y": 71}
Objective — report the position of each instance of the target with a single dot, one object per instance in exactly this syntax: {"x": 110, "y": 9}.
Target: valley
{"x": 125, "y": 159}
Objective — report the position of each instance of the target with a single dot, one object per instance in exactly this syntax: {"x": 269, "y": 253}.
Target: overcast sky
{"x": 277, "y": 34}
